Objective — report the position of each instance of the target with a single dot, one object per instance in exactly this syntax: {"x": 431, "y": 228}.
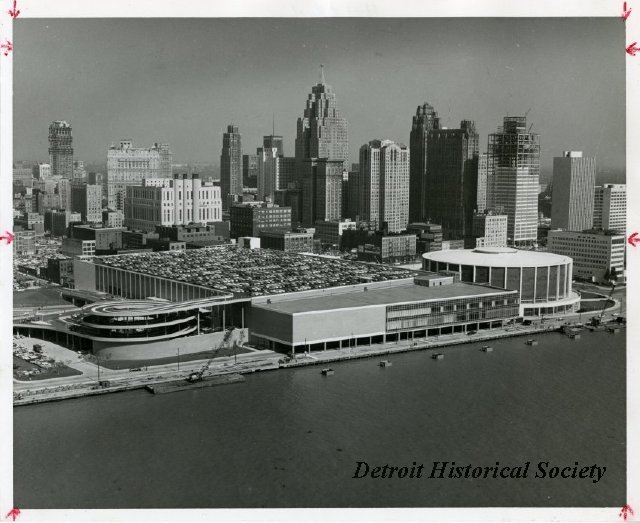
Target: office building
{"x": 48, "y": 201}
{"x": 77, "y": 247}
{"x": 321, "y": 190}
{"x": 24, "y": 241}
{"x": 483, "y": 174}
{"x": 180, "y": 201}
{"x": 87, "y": 200}
{"x": 112, "y": 218}
{"x": 195, "y": 234}
{"x": 273, "y": 141}
{"x": 322, "y": 130}
{"x": 489, "y": 230}
{"x": 57, "y": 222}
{"x": 382, "y": 185}
{"x": 22, "y": 178}
{"x": 268, "y": 173}
{"x": 79, "y": 172}
{"x": 107, "y": 240}
{"x": 597, "y": 255}
{"x": 329, "y": 232}
{"x": 61, "y": 149}
{"x": 231, "y": 165}
{"x": 428, "y": 236}
{"x": 291, "y": 197}
{"x": 451, "y": 184}
{"x": 127, "y": 166}
{"x": 287, "y": 241}
{"x": 514, "y": 173}
{"x": 610, "y": 207}
{"x": 424, "y": 121}
{"x": 574, "y": 181}
{"x": 249, "y": 219}
{"x": 42, "y": 171}
{"x": 250, "y": 170}
{"x": 64, "y": 190}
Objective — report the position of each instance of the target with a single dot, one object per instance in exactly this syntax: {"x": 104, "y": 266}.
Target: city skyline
{"x": 519, "y": 65}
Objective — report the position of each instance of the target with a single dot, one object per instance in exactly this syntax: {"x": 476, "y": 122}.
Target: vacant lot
{"x": 39, "y": 297}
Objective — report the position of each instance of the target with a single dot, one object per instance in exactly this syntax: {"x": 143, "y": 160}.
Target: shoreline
{"x": 300, "y": 360}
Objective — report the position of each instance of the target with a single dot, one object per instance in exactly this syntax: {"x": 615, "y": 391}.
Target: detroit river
{"x": 291, "y": 438}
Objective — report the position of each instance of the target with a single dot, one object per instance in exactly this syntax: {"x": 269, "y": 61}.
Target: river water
{"x": 292, "y": 438}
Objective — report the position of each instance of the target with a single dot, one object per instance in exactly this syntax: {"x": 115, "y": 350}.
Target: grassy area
{"x": 594, "y": 306}
{"x": 128, "y": 364}
{"x": 59, "y": 371}
{"x": 39, "y": 297}
{"x": 591, "y": 295}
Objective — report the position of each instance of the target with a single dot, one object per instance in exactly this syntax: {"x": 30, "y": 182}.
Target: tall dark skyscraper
{"x": 452, "y": 179}
{"x": 231, "y": 165}
{"x": 513, "y": 178}
{"x": 425, "y": 120}
{"x": 322, "y": 130}
{"x": 61, "y": 149}
{"x": 273, "y": 141}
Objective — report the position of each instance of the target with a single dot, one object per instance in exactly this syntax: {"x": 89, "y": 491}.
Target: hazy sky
{"x": 183, "y": 81}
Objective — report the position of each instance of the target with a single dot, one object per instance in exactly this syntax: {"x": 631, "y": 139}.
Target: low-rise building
{"x": 24, "y": 241}
{"x": 429, "y": 236}
{"x": 597, "y": 255}
{"x": 330, "y": 232}
{"x": 287, "y": 241}
{"x": 489, "y": 230}
{"x": 249, "y": 219}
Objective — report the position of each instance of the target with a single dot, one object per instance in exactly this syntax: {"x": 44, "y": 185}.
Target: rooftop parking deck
{"x": 256, "y": 272}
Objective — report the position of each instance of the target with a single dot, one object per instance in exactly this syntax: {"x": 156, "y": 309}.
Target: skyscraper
{"x": 128, "y": 165}
{"x": 321, "y": 190}
{"x": 483, "y": 172}
{"x": 451, "y": 184}
{"x": 271, "y": 141}
{"x": 425, "y": 120}
{"x": 61, "y": 149}
{"x": 267, "y": 172}
{"x": 513, "y": 178}
{"x": 322, "y": 130}
{"x": 574, "y": 181}
{"x": 250, "y": 170}
{"x": 610, "y": 207}
{"x": 231, "y": 165}
{"x": 383, "y": 188}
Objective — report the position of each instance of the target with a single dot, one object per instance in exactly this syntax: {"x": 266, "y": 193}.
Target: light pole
{"x": 178, "y": 359}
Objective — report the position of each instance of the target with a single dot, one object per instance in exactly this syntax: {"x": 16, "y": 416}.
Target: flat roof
{"x": 498, "y": 257}
{"x": 386, "y": 296}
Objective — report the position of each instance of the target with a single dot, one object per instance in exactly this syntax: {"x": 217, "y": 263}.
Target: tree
{"x": 607, "y": 275}
{"x": 613, "y": 275}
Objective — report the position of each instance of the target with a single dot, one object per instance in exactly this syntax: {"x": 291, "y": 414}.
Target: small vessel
{"x": 438, "y": 356}
{"x": 385, "y": 363}
{"x": 328, "y": 372}
{"x": 486, "y": 348}
{"x": 176, "y": 386}
{"x": 574, "y": 336}
{"x": 532, "y": 342}
{"x": 614, "y": 330}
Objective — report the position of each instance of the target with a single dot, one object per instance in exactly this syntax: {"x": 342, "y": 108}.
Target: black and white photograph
{"x": 315, "y": 262}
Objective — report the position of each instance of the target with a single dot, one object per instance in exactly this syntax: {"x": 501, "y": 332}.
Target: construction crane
{"x": 597, "y": 320}
{"x": 199, "y": 375}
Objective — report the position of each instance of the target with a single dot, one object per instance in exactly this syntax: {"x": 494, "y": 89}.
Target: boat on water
{"x": 532, "y": 342}
{"x": 574, "y": 336}
{"x": 177, "y": 386}
{"x": 328, "y": 372}
{"x": 438, "y": 356}
{"x": 486, "y": 348}
{"x": 385, "y": 363}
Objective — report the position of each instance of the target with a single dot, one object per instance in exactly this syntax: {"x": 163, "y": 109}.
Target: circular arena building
{"x": 542, "y": 278}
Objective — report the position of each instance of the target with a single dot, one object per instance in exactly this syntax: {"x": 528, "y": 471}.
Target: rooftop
{"x": 387, "y": 296}
{"x": 498, "y": 257}
{"x": 252, "y": 272}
